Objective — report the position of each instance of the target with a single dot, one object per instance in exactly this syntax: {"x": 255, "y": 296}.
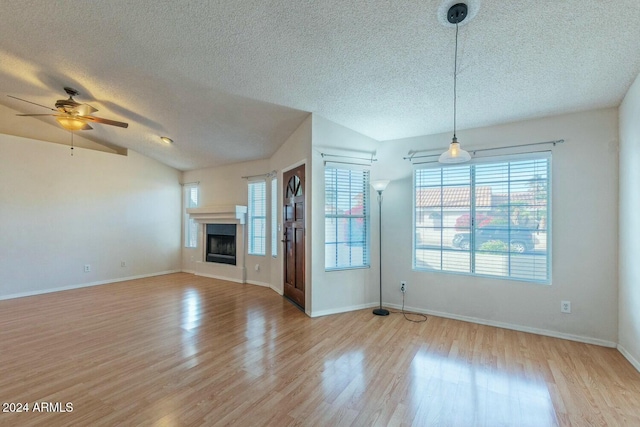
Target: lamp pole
{"x": 379, "y": 186}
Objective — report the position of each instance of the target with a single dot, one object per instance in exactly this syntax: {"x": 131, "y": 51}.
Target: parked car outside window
{"x": 517, "y": 239}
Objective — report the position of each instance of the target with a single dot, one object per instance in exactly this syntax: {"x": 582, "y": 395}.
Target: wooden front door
{"x": 293, "y": 212}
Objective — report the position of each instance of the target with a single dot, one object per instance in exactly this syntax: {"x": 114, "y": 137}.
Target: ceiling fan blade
{"x": 76, "y": 121}
{"x": 39, "y": 105}
{"x": 105, "y": 121}
{"x": 36, "y": 115}
{"x": 85, "y": 109}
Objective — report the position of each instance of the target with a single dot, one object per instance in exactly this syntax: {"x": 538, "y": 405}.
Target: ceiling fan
{"x": 71, "y": 114}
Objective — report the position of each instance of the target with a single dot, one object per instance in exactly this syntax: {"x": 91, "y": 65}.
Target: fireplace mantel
{"x": 220, "y": 213}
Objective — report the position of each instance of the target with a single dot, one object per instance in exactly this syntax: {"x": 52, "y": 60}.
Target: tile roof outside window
{"x": 452, "y": 197}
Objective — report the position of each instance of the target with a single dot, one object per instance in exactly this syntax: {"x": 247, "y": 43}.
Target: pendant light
{"x": 455, "y": 154}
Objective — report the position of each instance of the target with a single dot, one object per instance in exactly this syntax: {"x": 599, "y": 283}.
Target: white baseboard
{"x": 85, "y": 285}
{"x": 629, "y": 357}
{"x": 276, "y": 290}
{"x": 255, "y": 282}
{"x": 266, "y": 285}
{"x": 215, "y": 276}
{"x": 342, "y": 309}
{"x": 229, "y": 279}
{"x": 520, "y": 328}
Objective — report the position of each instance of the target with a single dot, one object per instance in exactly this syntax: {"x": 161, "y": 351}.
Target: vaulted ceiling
{"x": 230, "y": 80}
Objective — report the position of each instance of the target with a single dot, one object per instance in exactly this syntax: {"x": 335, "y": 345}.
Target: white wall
{"x": 585, "y": 228}
{"x": 343, "y": 290}
{"x": 58, "y": 213}
{"x": 629, "y": 249}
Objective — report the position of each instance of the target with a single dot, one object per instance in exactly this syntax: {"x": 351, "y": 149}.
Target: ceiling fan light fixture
{"x": 166, "y": 140}
{"x": 73, "y": 115}
{"x": 72, "y": 123}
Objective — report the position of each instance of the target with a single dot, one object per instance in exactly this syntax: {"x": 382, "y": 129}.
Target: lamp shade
{"x": 380, "y": 184}
{"x": 72, "y": 123}
{"x": 455, "y": 154}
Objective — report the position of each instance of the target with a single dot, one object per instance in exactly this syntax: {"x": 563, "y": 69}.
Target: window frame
{"x": 274, "y": 217}
{"x": 190, "y": 226}
{"x": 473, "y": 251}
{"x": 365, "y": 216}
{"x": 253, "y": 248}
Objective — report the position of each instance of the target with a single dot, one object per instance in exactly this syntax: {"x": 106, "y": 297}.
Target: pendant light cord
{"x": 455, "y": 78}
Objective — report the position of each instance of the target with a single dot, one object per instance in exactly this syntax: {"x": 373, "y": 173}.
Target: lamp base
{"x": 381, "y": 312}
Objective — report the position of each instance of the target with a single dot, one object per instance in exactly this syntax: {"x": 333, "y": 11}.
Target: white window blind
{"x": 257, "y": 221}
{"x": 274, "y": 217}
{"x": 190, "y": 226}
{"x": 346, "y": 218}
{"x": 487, "y": 219}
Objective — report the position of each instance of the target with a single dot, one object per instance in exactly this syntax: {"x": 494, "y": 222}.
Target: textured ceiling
{"x": 230, "y": 80}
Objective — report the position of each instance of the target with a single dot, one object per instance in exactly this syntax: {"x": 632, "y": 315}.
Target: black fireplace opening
{"x": 221, "y": 243}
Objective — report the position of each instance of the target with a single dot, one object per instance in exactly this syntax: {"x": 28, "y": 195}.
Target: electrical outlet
{"x": 403, "y": 286}
{"x": 87, "y": 268}
{"x": 565, "y": 306}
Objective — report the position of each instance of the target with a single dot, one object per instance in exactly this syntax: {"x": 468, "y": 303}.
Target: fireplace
{"x": 218, "y": 258}
{"x": 221, "y": 243}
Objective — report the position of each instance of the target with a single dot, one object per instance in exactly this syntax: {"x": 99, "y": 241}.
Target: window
{"x": 190, "y": 226}
{"x": 274, "y": 217}
{"x": 487, "y": 218}
{"x": 346, "y": 218}
{"x": 257, "y": 217}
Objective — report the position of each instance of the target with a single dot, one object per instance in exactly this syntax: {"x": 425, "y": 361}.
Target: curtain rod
{"x": 264, "y": 175}
{"x": 367, "y": 159}
{"x": 345, "y": 163}
{"x": 190, "y": 183}
{"x": 479, "y": 157}
{"x": 557, "y": 141}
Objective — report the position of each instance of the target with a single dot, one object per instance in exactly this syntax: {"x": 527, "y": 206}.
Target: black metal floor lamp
{"x": 380, "y": 186}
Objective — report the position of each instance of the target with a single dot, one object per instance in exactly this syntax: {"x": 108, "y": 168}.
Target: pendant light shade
{"x": 455, "y": 153}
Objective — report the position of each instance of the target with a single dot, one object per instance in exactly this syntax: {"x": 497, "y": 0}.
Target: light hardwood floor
{"x": 186, "y": 350}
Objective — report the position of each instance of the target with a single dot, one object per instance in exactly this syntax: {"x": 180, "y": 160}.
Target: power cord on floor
{"x": 422, "y": 317}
